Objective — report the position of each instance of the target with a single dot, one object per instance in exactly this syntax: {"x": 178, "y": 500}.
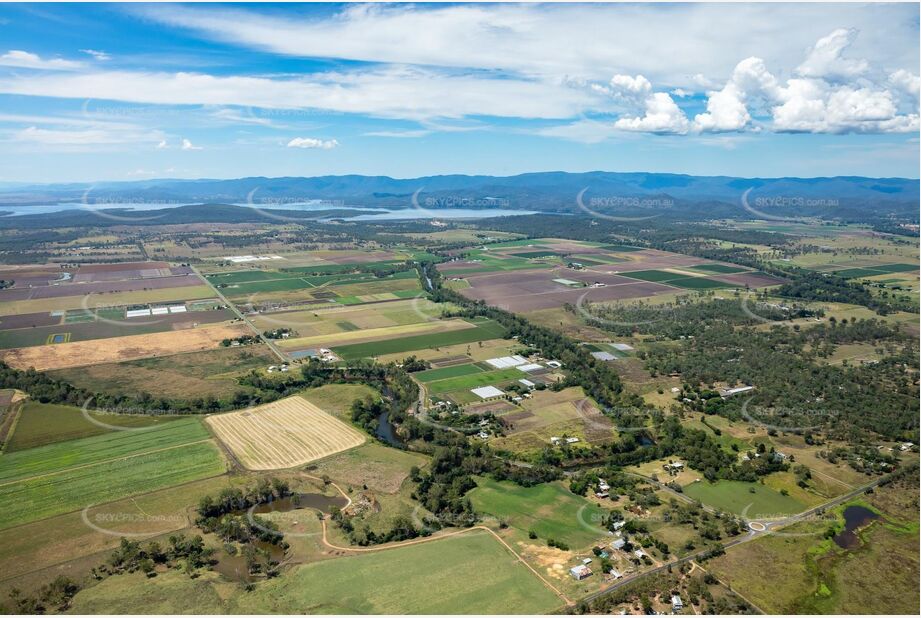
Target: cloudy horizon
{"x": 105, "y": 92}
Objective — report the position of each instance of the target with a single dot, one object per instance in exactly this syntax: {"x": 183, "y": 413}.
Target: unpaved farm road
{"x": 281, "y": 355}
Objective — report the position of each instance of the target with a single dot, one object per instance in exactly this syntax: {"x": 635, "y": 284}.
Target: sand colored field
{"x": 114, "y": 299}
{"x": 374, "y": 334}
{"x": 283, "y": 434}
{"x": 114, "y": 349}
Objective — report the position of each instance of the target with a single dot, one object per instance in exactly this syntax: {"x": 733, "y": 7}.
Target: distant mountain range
{"x": 683, "y": 196}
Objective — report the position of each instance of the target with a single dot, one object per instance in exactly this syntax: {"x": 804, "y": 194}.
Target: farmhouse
{"x": 618, "y": 544}
{"x": 677, "y": 603}
{"x": 580, "y": 572}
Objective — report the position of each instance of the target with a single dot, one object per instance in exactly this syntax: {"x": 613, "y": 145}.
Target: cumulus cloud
{"x": 188, "y": 145}
{"x": 162, "y": 145}
{"x": 825, "y": 58}
{"x": 27, "y": 60}
{"x": 816, "y": 101}
{"x": 311, "y": 142}
{"x": 660, "y": 113}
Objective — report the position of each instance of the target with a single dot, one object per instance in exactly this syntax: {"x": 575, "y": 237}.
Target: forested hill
{"x": 850, "y": 197}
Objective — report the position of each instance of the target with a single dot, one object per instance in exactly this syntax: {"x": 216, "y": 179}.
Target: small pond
{"x": 855, "y": 518}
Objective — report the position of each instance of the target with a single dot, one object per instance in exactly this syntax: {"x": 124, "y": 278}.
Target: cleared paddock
{"x": 283, "y": 434}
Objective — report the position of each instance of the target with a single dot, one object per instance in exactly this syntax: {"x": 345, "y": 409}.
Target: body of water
{"x": 379, "y": 214}
{"x": 855, "y": 518}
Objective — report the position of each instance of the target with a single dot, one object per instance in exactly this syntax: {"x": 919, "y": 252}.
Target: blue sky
{"x": 129, "y": 92}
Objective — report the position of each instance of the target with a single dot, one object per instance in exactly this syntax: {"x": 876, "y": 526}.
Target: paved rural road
{"x": 281, "y": 355}
{"x": 771, "y": 527}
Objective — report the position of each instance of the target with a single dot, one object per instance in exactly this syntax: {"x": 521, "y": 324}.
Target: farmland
{"x": 472, "y": 571}
{"x": 549, "y": 510}
{"x": 481, "y": 331}
{"x": 501, "y": 276}
{"x": 41, "y": 424}
{"x": 129, "y": 347}
{"x": 64, "y": 476}
{"x": 283, "y": 434}
{"x": 750, "y": 498}
{"x": 191, "y": 374}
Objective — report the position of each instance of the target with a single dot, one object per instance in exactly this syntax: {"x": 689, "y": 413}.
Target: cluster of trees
{"x": 360, "y": 533}
{"x": 687, "y": 316}
{"x": 827, "y": 287}
{"x": 53, "y": 596}
{"x": 279, "y": 333}
{"x": 132, "y": 556}
{"x": 46, "y": 389}
{"x": 241, "y": 340}
{"x": 792, "y": 389}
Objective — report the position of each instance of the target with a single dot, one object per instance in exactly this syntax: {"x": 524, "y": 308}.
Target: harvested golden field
{"x": 283, "y": 434}
{"x": 113, "y": 299}
{"x": 114, "y": 349}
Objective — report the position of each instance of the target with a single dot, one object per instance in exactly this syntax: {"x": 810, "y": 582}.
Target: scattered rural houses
{"x": 580, "y": 572}
{"x": 618, "y": 544}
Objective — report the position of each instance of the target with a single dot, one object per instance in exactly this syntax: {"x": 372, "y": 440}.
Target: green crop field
{"x": 484, "y": 329}
{"x": 71, "y": 489}
{"x": 54, "y": 458}
{"x": 550, "y": 510}
{"x": 535, "y": 254}
{"x": 657, "y": 276}
{"x": 621, "y": 248}
{"x": 736, "y": 496}
{"x": 471, "y": 573}
{"x": 722, "y": 269}
{"x": 42, "y": 423}
{"x": 443, "y": 373}
{"x": 699, "y": 283}
{"x": 473, "y": 380}
{"x": 271, "y": 285}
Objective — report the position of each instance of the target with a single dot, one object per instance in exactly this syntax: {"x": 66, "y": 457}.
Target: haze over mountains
{"x": 843, "y": 197}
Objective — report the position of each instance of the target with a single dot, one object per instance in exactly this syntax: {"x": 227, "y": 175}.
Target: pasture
{"x": 550, "y": 510}
{"x": 469, "y": 573}
{"x": 283, "y": 434}
{"x": 754, "y": 499}
{"x": 66, "y": 476}
{"x": 190, "y": 374}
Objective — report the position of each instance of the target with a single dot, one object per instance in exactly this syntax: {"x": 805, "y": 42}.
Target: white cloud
{"x": 825, "y": 58}
{"x": 811, "y": 103}
{"x": 907, "y": 82}
{"x": 311, "y": 142}
{"x": 188, "y": 145}
{"x": 99, "y": 136}
{"x": 537, "y": 40}
{"x": 26, "y": 60}
{"x": 389, "y": 92}
{"x": 97, "y": 55}
{"x": 162, "y": 145}
{"x": 661, "y": 115}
